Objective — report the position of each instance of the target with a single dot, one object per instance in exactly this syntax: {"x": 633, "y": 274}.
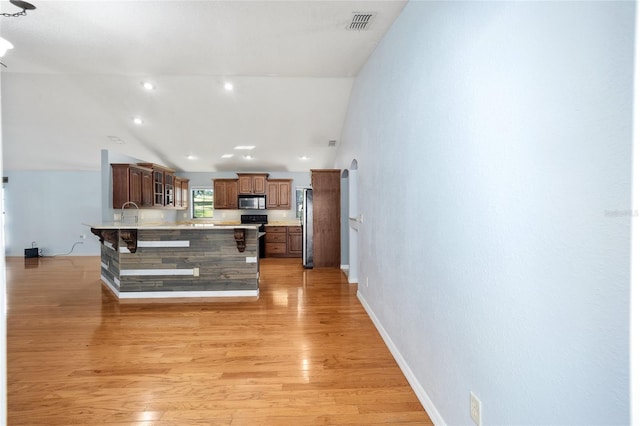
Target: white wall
{"x": 493, "y": 142}
{"x": 3, "y": 295}
{"x": 51, "y": 208}
{"x": 635, "y": 243}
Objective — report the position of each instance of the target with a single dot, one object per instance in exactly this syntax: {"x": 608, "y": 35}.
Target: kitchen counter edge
{"x": 195, "y": 226}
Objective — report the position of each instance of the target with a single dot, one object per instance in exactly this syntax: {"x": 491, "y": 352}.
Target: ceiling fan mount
{"x": 24, "y": 5}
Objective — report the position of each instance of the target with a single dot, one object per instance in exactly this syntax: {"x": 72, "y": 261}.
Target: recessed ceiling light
{"x": 244, "y": 147}
{"x": 247, "y": 157}
{"x": 148, "y": 85}
{"x": 227, "y": 156}
{"x": 138, "y": 120}
{"x": 4, "y": 46}
{"x": 303, "y": 157}
{"x": 191, "y": 157}
{"x": 228, "y": 86}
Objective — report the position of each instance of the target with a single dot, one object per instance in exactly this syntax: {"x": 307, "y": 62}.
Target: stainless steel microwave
{"x": 252, "y": 202}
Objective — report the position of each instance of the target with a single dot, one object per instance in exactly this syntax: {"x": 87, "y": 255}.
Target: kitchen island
{"x": 180, "y": 260}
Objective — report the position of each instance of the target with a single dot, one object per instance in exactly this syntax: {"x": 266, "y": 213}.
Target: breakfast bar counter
{"x": 179, "y": 260}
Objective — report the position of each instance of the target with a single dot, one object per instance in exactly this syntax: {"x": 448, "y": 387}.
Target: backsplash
{"x": 234, "y": 215}
{"x": 152, "y": 216}
{"x": 148, "y": 215}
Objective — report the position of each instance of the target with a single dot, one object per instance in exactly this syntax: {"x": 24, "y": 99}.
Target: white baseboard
{"x": 422, "y": 395}
{"x": 350, "y": 279}
{"x": 345, "y": 270}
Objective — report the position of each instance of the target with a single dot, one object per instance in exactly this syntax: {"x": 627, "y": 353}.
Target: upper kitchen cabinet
{"x": 169, "y": 190}
{"x": 279, "y": 194}
{"x": 225, "y": 193}
{"x": 252, "y": 183}
{"x": 148, "y": 186}
{"x": 132, "y": 183}
{"x": 181, "y": 199}
{"x": 163, "y": 184}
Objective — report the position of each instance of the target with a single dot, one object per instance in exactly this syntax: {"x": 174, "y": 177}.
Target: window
{"x": 299, "y": 195}
{"x": 201, "y": 203}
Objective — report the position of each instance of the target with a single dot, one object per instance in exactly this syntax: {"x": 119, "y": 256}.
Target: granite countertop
{"x": 117, "y": 225}
{"x": 284, "y": 223}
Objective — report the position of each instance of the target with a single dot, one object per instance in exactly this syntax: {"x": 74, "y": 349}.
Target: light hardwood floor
{"x": 304, "y": 352}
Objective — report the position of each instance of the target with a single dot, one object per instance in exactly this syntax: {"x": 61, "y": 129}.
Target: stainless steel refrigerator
{"x": 307, "y": 228}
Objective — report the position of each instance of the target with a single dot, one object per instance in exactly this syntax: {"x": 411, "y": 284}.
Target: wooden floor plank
{"x": 304, "y": 352}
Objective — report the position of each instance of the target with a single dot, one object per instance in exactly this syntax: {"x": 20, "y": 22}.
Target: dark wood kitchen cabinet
{"x": 294, "y": 241}
{"x": 177, "y": 194}
{"x": 162, "y": 183}
{"x": 225, "y": 193}
{"x": 169, "y": 190}
{"x": 275, "y": 241}
{"x": 181, "y": 192}
{"x": 131, "y": 183}
{"x": 121, "y": 179}
{"x": 149, "y": 186}
{"x": 252, "y": 183}
{"x": 279, "y": 194}
{"x": 326, "y": 218}
{"x": 186, "y": 197}
{"x": 283, "y": 241}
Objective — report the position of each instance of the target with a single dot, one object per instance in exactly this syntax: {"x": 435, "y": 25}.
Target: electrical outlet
{"x": 475, "y": 409}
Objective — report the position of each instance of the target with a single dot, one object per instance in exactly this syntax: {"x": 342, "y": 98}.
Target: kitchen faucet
{"x": 122, "y": 212}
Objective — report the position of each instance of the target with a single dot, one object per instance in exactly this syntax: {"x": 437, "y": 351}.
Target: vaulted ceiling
{"x": 73, "y": 83}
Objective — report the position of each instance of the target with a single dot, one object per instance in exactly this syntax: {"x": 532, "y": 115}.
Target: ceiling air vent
{"x": 361, "y": 21}
{"x": 332, "y": 144}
